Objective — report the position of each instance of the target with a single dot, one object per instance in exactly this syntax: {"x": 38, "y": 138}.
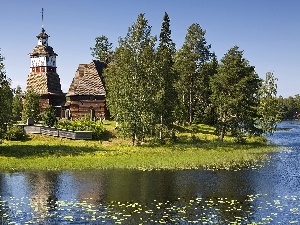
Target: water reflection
{"x": 51, "y": 196}
{"x": 267, "y": 196}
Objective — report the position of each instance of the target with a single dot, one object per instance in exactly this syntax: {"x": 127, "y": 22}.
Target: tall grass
{"x": 50, "y": 153}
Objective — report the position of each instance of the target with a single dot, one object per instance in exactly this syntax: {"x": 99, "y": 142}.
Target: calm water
{"x": 268, "y": 195}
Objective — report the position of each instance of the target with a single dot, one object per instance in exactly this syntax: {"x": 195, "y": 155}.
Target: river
{"x": 264, "y": 195}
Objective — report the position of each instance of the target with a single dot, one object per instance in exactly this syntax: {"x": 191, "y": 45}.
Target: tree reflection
{"x": 225, "y": 193}
{"x": 3, "y": 206}
{"x": 141, "y": 186}
{"x": 43, "y": 188}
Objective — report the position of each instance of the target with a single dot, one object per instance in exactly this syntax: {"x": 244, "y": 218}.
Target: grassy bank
{"x": 49, "y": 153}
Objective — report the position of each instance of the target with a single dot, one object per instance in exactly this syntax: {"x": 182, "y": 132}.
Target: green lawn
{"x": 49, "y": 153}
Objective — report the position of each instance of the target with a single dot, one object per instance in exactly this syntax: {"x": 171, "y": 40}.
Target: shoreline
{"x": 57, "y": 154}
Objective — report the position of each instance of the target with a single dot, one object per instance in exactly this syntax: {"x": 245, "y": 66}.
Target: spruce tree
{"x": 166, "y": 95}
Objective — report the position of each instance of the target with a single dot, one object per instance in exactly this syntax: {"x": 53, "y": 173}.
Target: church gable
{"x": 88, "y": 80}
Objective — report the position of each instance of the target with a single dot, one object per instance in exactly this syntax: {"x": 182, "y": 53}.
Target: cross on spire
{"x": 42, "y": 17}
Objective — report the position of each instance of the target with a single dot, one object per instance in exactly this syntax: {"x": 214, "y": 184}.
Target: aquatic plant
{"x": 251, "y": 209}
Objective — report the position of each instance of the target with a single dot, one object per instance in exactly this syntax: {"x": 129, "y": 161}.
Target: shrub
{"x": 49, "y": 116}
{"x": 83, "y": 124}
{"x": 15, "y": 133}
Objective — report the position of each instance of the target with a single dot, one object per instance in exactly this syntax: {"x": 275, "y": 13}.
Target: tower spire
{"x": 43, "y": 18}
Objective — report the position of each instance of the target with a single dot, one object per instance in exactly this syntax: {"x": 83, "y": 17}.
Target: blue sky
{"x": 267, "y": 30}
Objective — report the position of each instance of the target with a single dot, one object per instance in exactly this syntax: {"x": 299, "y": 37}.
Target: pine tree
{"x": 189, "y": 61}
{"x": 235, "y": 95}
{"x": 131, "y": 81}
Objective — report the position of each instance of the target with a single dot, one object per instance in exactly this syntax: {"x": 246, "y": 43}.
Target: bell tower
{"x": 43, "y": 58}
{"x": 43, "y": 78}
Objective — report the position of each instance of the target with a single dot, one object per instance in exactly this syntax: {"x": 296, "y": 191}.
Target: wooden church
{"x": 86, "y": 95}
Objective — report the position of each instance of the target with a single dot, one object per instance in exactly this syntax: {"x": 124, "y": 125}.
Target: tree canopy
{"x": 149, "y": 86}
{"x": 289, "y": 107}
{"x": 102, "y": 49}
{"x": 6, "y": 96}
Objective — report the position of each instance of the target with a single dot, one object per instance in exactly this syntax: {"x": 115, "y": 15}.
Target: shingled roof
{"x": 41, "y": 49}
{"x": 88, "y": 80}
{"x": 44, "y": 83}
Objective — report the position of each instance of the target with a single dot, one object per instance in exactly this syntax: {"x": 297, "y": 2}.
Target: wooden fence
{"x": 52, "y": 131}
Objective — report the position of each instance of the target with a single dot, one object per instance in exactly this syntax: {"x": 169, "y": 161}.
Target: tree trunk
{"x": 160, "y": 130}
{"x": 143, "y": 136}
{"x": 190, "y": 104}
{"x": 223, "y": 130}
{"x": 222, "y": 134}
{"x": 133, "y": 137}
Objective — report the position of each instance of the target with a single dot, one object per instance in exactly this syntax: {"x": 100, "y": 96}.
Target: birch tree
{"x": 131, "y": 81}
{"x": 269, "y": 108}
